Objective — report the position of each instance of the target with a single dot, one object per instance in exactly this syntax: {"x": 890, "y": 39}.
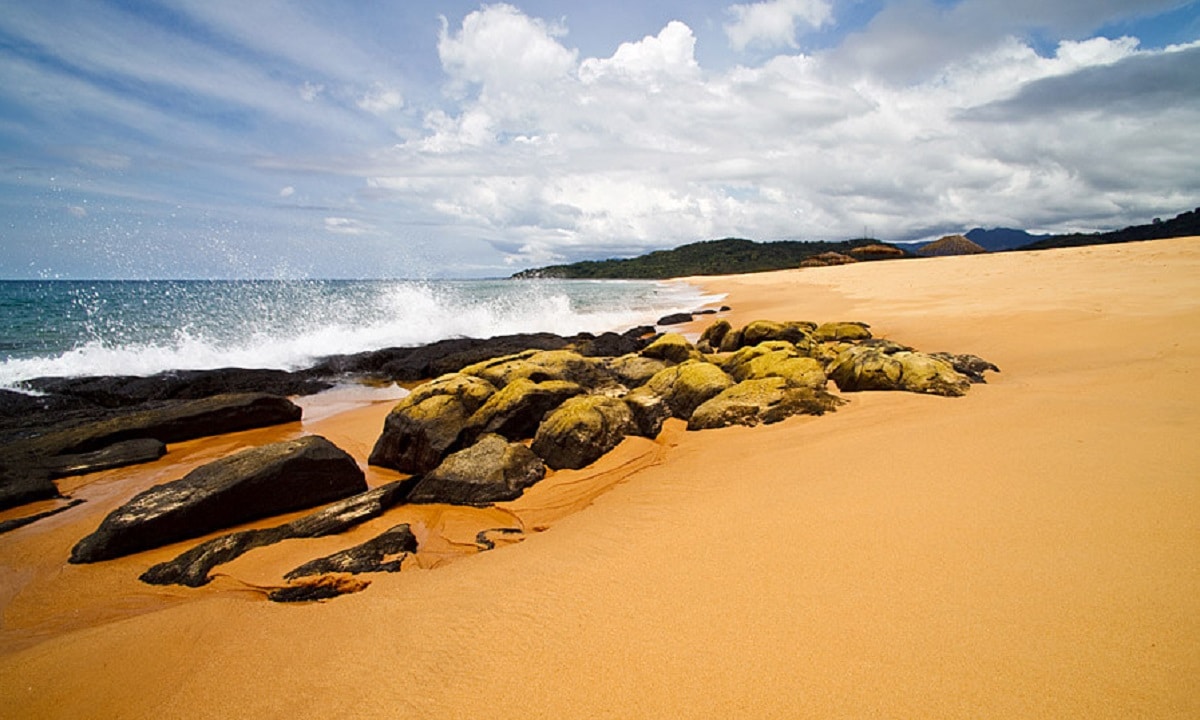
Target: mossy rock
{"x": 731, "y": 342}
{"x": 843, "y": 331}
{"x": 761, "y": 400}
{"x": 426, "y": 424}
{"x": 866, "y": 368}
{"x": 540, "y": 366}
{"x": 516, "y": 410}
{"x": 672, "y": 348}
{"x": 684, "y": 387}
{"x": 581, "y": 430}
{"x": 710, "y": 339}
{"x": 763, "y": 330}
{"x": 649, "y": 411}
{"x": 634, "y": 370}
{"x": 797, "y": 371}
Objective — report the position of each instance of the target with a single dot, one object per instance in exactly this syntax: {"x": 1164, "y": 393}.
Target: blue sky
{"x": 282, "y": 138}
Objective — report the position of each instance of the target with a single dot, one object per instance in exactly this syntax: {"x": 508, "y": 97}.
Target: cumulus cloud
{"x": 644, "y": 148}
{"x": 772, "y": 24}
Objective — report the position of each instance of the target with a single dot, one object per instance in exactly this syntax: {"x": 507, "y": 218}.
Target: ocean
{"x": 65, "y": 328}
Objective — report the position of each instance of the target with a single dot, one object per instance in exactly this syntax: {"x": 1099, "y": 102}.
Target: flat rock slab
{"x": 256, "y": 483}
{"x": 379, "y": 554}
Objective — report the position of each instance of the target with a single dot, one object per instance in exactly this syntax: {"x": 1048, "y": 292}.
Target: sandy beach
{"x": 1029, "y": 550}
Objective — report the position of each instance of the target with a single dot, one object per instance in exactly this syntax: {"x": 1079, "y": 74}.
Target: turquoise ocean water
{"x": 70, "y": 328}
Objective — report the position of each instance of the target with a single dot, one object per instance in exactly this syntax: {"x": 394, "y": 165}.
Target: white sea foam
{"x": 290, "y": 332}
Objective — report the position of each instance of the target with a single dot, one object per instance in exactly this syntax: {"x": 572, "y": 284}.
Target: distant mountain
{"x": 715, "y": 257}
{"x": 1181, "y": 225}
{"x": 951, "y": 245}
{"x": 1002, "y": 238}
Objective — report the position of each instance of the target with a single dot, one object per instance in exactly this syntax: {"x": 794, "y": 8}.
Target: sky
{"x": 299, "y": 138}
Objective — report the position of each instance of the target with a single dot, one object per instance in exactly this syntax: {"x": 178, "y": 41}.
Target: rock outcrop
{"x": 426, "y": 424}
{"x": 256, "y": 483}
{"x": 581, "y": 430}
{"x": 684, "y": 387}
{"x": 762, "y": 400}
{"x": 383, "y": 553}
{"x": 868, "y": 368}
{"x": 492, "y": 470}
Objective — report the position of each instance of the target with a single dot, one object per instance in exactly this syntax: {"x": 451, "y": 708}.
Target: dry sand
{"x": 1030, "y": 550}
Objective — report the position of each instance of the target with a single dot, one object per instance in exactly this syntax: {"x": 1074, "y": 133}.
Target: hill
{"x": 1184, "y": 224}
{"x": 1002, "y": 238}
{"x": 713, "y": 257}
{"x": 951, "y": 245}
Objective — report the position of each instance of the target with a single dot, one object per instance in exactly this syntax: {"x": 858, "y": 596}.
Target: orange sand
{"x": 1029, "y": 550}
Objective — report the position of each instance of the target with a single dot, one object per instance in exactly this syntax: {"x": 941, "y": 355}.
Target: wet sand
{"x": 1029, "y": 550}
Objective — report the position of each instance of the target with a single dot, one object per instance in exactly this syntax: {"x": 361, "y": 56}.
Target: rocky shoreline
{"x": 492, "y": 418}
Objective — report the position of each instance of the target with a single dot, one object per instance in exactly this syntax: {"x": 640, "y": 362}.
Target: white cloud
{"x": 381, "y": 99}
{"x": 287, "y": 192}
{"x": 311, "y": 91}
{"x": 501, "y": 48}
{"x": 78, "y": 211}
{"x": 346, "y": 226}
{"x": 773, "y": 23}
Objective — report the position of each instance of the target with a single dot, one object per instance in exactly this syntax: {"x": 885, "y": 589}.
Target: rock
{"x": 256, "y": 483}
{"x": 684, "y": 387}
{"x": 612, "y": 344}
{"x": 485, "y": 542}
{"x": 120, "y": 454}
{"x": 426, "y": 424}
{"x": 322, "y": 587}
{"x": 826, "y": 259}
{"x": 516, "y": 410}
{"x": 14, "y": 523}
{"x": 674, "y": 319}
{"x": 866, "y": 368}
{"x": 951, "y": 245}
{"x": 540, "y": 366}
{"x": 672, "y": 348}
{"x": 797, "y": 371}
{"x": 972, "y": 366}
{"x": 731, "y": 342}
{"x": 763, "y": 330}
{"x": 764, "y": 400}
{"x": 192, "y": 567}
{"x": 371, "y": 556}
{"x": 710, "y": 339}
{"x": 649, "y": 412}
{"x": 842, "y": 332}
{"x": 581, "y": 430}
{"x": 491, "y": 470}
{"x": 633, "y": 370}
{"x": 21, "y": 483}
{"x": 128, "y": 391}
{"x": 877, "y": 251}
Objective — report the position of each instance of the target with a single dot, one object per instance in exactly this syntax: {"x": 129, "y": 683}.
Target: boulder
{"x": 491, "y": 470}
{"x": 516, "y": 410}
{"x": 763, "y": 400}
{"x": 797, "y": 371}
{"x": 120, "y": 454}
{"x": 710, "y": 339}
{"x": 763, "y": 330}
{"x": 674, "y": 319}
{"x": 877, "y": 251}
{"x": 684, "y": 387}
{"x": 426, "y": 424}
{"x": 192, "y": 567}
{"x": 731, "y": 341}
{"x": 378, "y": 554}
{"x": 22, "y": 482}
{"x": 121, "y": 391}
{"x": 539, "y": 366}
{"x": 320, "y": 587}
{"x": 633, "y": 370}
{"x": 867, "y": 368}
{"x": 581, "y": 430}
{"x": 671, "y": 347}
{"x": 841, "y": 332}
{"x": 649, "y": 412}
{"x": 256, "y": 483}
{"x": 972, "y": 366}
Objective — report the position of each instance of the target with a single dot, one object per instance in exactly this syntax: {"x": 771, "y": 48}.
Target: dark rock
{"x": 581, "y": 430}
{"x": 120, "y": 454}
{"x": 426, "y": 424}
{"x": 612, "y": 344}
{"x": 710, "y": 339}
{"x": 192, "y": 567}
{"x": 368, "y": 557}
{"x": 322, "y": 587}
{"x": 972, "y": 366}
{"x": 126, "y": 391}
{"x": 674, "y": 319}
{"x": 256, "y": 483}
{"x": 10, "y": 525}
{"x": 491, "y": 470}
{"x": 485, "y": 542}
{"x": 649, "y": 413}
{"x": 22, "y": 483}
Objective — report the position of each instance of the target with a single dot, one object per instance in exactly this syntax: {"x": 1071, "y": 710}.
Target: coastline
{"x": 1026, "y": 550}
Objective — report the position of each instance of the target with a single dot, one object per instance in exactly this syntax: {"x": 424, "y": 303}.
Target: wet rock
{"x": 672, "y": 348}
{"x": 674, "y": 319}
{"x": 426, "y": 424}
{"x": 491, "y": 470}
{"x": 516, "y": 410}
{"x": 378, "y": 554}
{"x": 127, "y": 391}
{"x": 120, "y": 454}
{"x": 581, "y": 430}
{"x": 867, "y": 368}
{"x": 764, "y": 400}
{"x": 22, "y": 482}
{"x": 192, "y": 567}
{"x": 484, "y": 540}
{"x": 322, "y": 587}
{"x": 256, "y": 483}
{"x": 13, "y": 524}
